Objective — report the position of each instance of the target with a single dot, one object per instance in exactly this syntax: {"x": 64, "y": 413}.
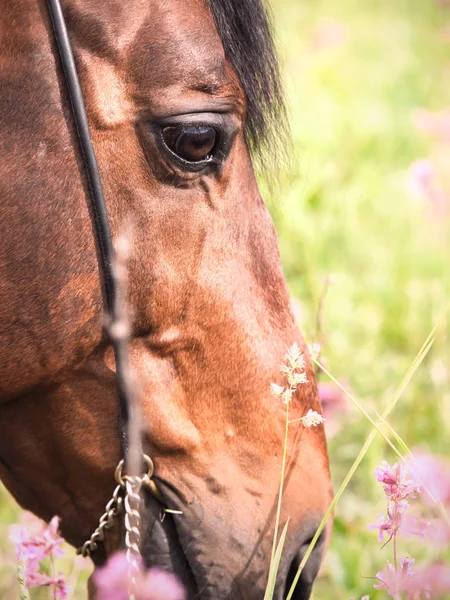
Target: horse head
{"x": 179, "y": 94}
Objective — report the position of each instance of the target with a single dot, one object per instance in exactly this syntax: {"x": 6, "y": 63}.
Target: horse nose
{"x": 309, "y": 572}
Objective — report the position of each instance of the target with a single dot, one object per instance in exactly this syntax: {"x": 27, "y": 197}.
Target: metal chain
{"x": 126, "y": 492}
{"x": 112, "y": 510}
{"x": 132, "y": 503}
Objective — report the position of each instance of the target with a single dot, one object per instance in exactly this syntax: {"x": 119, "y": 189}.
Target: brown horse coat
{"x": 211, "y": 310}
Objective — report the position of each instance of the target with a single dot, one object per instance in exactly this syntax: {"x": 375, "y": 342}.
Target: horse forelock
{"x": 247, "y": 34}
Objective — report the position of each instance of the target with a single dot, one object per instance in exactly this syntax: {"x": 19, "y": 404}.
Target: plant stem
{"x": 280, "y": 493}
{"x": 395, "y": 560}
{"x": 23, "y": 590}
{"x": 53, "y": 587}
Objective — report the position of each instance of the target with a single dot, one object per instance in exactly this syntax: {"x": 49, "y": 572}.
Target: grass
{"x": 346, "y": 214}
{"x": 355, "y": 72}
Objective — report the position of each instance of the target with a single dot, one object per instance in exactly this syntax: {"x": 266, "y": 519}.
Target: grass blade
{"x": 275, "y": 563}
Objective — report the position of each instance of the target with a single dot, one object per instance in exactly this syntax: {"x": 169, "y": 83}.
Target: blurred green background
{"x": 365, "y": 207}
{"x": 368, "y": 208}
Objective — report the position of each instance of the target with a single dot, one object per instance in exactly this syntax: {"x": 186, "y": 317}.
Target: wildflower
{"x": 397, "y": 486}
{"x": 112, "y": 582}
{"x": 412, "y": 525}
{"x": 37, "y": 547}
{"x": 423, "y": 184}
{"x": 387, "y": 579}
{"x": 396, "y": 580}
{"x": 334, "y": 406}
{"x": 433, "y": 473}
{"x": 383, "y": 527}
{"x": 286, "y": 396}
{"x": 434, "y": 581}
{"x": 332, "y": 397}
{"x": 294, "y": 359}
{"x": 312, "y": 418}
{"x": 314, "y": 350}
{"x": 293, "y": 368}
{"x": 32, "y": 549}
{"x": 295, "y": 379}
{"x": 402, "y": 581}
{"x": 57, "y": 583}
{"x": 276, "y": 390}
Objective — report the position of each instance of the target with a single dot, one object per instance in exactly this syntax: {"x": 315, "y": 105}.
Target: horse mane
{"x": 246, "y": 30}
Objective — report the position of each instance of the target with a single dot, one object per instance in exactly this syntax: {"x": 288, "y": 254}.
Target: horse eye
{"x": 193, "y": 143}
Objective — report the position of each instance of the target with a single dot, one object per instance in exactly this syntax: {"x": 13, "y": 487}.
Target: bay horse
{"x": 180, "y": 95}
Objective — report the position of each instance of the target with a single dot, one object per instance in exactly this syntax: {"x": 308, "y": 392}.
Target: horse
{"x": 182, "y": 97}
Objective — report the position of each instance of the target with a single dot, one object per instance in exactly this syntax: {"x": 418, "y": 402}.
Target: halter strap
{"x": 99, "y": 211}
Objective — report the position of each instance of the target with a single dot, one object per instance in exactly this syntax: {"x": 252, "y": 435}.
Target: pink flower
{"x": 383, "y": 527}
{"x": 32, "y": 549}
{"x": 391, "y": 525}
{"x": 162, "y": 586}
{"x": 396, "y": 581}
{"x": 403, "y": 582}
{"x": 423, "y": 184}
{"x": 434, "y": 580}
{"x": 58, "y": 583}
{"x": 397, "y": 486}
{"x": 335, "y": 406}
{"x": 112, "y": 582}
{"x": 433, "y": 473}
{"x": 39, "y": 546}
{"x": 112, "y": 579}
{"x": 438, "y": 533}
{"x": 332, "y": 397}
{"x": 412, "y": 525}
{"x": 387, "y": 579}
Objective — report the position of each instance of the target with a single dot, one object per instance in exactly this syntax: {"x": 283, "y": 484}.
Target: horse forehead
{"x": 182, "y": 39}
{"x": 131, "y": 62}
{"x": 171, "y": 38}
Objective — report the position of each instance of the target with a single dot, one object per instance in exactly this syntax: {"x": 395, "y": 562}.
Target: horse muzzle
{"x": 214, "y": 563}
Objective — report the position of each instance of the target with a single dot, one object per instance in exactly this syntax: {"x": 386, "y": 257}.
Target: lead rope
{"x": 126, "y": 495}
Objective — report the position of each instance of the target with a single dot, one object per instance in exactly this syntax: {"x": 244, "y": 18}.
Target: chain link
{"x": 132, "y": 503}
{"x": 112, "y": 510}
{"x": 126, "y": 492}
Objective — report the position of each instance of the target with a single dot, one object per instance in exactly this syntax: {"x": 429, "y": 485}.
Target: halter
{"x": 127, "y": 492}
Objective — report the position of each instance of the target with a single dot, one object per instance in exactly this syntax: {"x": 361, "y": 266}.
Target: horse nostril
{"x": 309, "y": 572}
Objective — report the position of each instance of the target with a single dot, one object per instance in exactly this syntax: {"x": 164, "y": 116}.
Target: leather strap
{"x": 99, "y": 211}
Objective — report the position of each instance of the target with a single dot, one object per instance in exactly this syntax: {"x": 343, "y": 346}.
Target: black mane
{"x": 245, "y": 27}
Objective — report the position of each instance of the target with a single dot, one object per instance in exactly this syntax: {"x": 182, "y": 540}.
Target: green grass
{"x": 343, "y": 211}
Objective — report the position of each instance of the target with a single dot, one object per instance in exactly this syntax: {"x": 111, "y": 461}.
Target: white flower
{"x": 286, "y": 396}
{"x": 314, "y": 350}
{"x": 312, "y": 418}
{"x": 294, "y": 358}
{"x": 276, "y": 390}
{"x": 295, "y": 362}
{"x": 296, "y": 378}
